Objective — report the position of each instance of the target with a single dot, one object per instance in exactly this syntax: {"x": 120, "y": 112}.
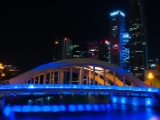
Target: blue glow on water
{"x": 135, "y": 101}
{"x": 26, "y": 108}
{"x": 114, "y": 99}
{"x": 80, "y": 107}
{"x": 102, "y": 107}
{"x": 95, "y": 107}
{"x": 111, "y": 112}
{"x": 16, "y": 108}
{"x": 148, "y": 101}
{"x": 62, "y": 108}
{"x": 88, "y": 107}
{"x": 68, "y": 108}
{"x": 36, "y": 108}
{"x": 56, "y": 108}
{"x": 71, "y": 108}
{"x": 123, "y": 100}
{"x": 46, "y": 108}
{"x": 7, "y": 111}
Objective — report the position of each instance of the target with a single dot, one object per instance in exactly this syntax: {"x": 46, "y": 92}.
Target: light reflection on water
{"x": 111, "y": 112}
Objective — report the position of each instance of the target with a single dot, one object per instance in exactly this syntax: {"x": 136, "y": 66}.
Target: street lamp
{"x": 150, "y": 75}
{"x": 1, "y": 66}
{"x": 3, "y": 74}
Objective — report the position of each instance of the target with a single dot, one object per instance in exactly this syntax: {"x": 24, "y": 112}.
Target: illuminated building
{"x": 119, "y": 40}
{"x": 125, "y": 51}
{"x": 92, "y": 49}
{"x": 138, "y": 41}
{"x": 86, "y": 49}
{"x": 62, "y": 49}
{"x": 104, "y": 51}
{"x": 8, "y": 72}
{"x": 152, "y": 64}
{"x": 76, "y": 51}
{"x": 67, "y": 48}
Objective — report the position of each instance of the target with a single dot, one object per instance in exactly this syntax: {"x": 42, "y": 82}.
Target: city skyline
{"x": 28, "y": 30}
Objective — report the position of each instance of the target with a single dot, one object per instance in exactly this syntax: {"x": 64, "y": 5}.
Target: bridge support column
{"x": 98, "y": 78}
{"x": 89, "y": 77}
{"x": 53, "y": 74}
{"x": 79, "y": 76}
{"x": 123, "y": 81}
{"x": 107, "y": 81}
{"x": 114, "y": 78}
{"x": 39, "y": 79}
{"x": 50, "y": 77}
{"x": 93, "y": 74}
{"x": 60, "y": 76}
{"x": 104, "y": 75}
{"x": 70, "y": 77}
{"x": 34, "y": 80}
{"x": 44, "y": 78}
{"x": 82, "y": 75}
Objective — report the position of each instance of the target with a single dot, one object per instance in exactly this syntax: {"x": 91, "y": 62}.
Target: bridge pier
{"x": 71, "y": 74}
{"x": 93, "y": 74}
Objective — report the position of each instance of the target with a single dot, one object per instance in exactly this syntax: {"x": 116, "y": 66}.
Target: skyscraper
{"x": 62, "y": 49}
{"x": 57, "y": 50}
{"x": 104, "y": 51}
{"x": 67, "y": 48}
{"x": 118, "y": 39}
{"x": 138, "y": 41}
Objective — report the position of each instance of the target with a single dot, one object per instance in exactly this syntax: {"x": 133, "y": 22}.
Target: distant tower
{"x": 57, "y": 52}
{"x": 117, "y": 27}
{"x": 125, "y": 51}
{"x": 67, "y": 48}
{"x": 138, "y": 41}
{"x": 104, "y": 51}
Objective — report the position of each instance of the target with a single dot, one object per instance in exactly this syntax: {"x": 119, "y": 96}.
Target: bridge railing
{"x": 64, "y": 86}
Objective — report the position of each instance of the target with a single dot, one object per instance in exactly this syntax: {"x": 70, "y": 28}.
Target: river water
{"x": 76, "y": 108}
{"x": 111, "y": 112}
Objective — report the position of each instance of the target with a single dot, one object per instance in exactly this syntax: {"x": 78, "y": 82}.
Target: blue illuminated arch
{"x": 75, "y": 62}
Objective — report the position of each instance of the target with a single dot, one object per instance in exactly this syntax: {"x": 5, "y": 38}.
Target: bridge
{"x": 94, "y": 77}
{"x": 89, "y": 71}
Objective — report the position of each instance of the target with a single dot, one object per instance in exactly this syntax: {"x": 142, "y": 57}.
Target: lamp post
{"x": 150, "y": 76}
{"x": 1, "y": 72}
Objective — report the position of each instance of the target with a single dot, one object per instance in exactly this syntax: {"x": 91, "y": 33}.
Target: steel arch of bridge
{"x": 90, "y": 68}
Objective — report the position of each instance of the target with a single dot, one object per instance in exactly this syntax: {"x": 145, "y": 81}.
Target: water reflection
{"x": 88, "y": 112}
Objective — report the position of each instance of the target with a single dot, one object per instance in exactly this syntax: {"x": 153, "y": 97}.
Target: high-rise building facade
{"x": 138, "y": 41}
{"x": 92, "y": 49}
{"x": 125, "y": 51}
{"x": 62, "y": 49}
{"x": 117, "y": 28}
{"x": 67, "y": 48}
{"x": 104, "y": 51}
{"x": 57, "y": 50}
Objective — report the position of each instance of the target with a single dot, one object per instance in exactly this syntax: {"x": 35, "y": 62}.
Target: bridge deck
{"x": 15, "y": 87}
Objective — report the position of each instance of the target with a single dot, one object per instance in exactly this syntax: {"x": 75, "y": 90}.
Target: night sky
{"x": 28, "y": 28}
